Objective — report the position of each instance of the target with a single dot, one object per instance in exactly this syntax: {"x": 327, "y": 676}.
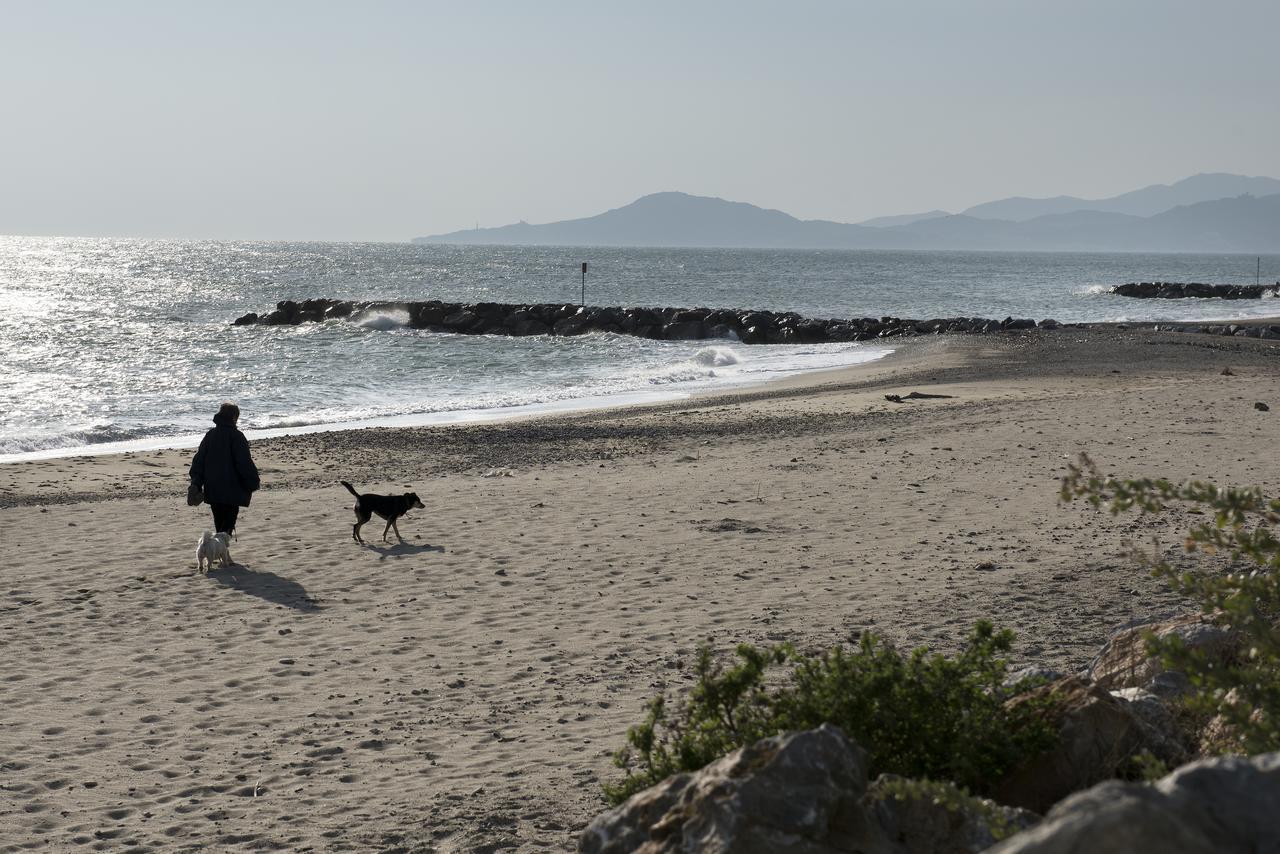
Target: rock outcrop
{"x": 1097, "y": 734}
{"x": 1124, "y": 662}
{"x": 1185, "y": 290}
{"x": 807, "y": 793}
{"x": 793, "y": 792}
{"x": 1206, "y": 807}
{"x": 797, "y": 793}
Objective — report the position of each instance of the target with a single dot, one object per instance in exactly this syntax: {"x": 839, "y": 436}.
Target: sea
{"x": 109, "y": 345}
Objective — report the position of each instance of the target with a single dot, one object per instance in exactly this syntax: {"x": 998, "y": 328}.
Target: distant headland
{"x": 1204, "y": 213}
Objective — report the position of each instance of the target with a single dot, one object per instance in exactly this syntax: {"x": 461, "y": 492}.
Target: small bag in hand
{"x": 195, "y": 495}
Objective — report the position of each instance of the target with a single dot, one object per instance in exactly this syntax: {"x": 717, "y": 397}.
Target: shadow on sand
{"x": 402, "y": 549}
{"x": 266, "y": 586}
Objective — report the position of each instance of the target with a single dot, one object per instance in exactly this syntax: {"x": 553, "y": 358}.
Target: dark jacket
{"x": 223, "y": 467}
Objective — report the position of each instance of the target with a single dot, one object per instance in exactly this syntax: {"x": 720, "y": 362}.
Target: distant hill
{"x": 1148, "y": 201}
{"x": 1244, "y": 223}
{"x": 670, "y": 219}
{"x": 901, "y": 219}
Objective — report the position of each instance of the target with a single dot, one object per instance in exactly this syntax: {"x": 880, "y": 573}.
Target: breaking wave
{"x": 381, "y": 320}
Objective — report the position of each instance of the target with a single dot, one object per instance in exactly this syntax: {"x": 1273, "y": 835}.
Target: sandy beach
{"x": 465, "y": 690}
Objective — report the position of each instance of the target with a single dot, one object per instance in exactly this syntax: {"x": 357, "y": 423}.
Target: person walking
{"x": 223, "y": 469}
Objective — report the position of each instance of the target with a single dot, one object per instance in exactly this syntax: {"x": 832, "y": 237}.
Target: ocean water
{"x": 109, "y": 344}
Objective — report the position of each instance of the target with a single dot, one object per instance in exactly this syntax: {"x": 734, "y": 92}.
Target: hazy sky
{"x": 385, "y": 120}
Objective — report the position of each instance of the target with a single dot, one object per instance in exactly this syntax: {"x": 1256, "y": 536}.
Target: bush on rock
{"x": 919, "y": 715}
{"x": 1241, "y": 691}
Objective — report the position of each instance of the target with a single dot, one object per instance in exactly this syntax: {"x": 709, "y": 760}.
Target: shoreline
{"x": 460, "y": 417}
{"x": 590, "y": 403}
{"x": 467, "y": 687}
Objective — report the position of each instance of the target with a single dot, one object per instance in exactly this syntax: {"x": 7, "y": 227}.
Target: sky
{"x": 380, "y": 120}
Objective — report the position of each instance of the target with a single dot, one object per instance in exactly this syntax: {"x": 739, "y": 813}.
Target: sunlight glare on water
{"x": 107, "y": 340}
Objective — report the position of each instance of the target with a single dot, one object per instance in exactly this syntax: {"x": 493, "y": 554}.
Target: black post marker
{"x": 584, "y": 283}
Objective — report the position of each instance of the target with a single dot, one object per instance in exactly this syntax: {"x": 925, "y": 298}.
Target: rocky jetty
{"x": 749, "y": 327}
{"x": 1184, "y": 290}
{"x": 1232, "y": 330}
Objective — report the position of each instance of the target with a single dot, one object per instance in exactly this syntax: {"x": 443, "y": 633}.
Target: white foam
{"x": 715, "y": 357}
{"x": 460, "y": 416}
{"x": 381, "y": 320}
{"x": 93, "y": 435}
{"x": 775, "y": 362}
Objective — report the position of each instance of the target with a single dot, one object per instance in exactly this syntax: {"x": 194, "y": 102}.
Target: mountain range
{"x": 1203, "y": 213}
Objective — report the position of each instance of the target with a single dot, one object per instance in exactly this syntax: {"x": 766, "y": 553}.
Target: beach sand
{"x": 465, "y": 690}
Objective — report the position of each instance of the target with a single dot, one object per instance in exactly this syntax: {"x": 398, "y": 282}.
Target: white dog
{"x": 210, "y": 548}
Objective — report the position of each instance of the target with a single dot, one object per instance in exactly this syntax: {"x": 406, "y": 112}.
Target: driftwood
{"x": 915, "y": 395}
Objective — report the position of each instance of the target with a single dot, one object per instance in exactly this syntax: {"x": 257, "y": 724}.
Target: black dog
{"x": 389, "y": 507}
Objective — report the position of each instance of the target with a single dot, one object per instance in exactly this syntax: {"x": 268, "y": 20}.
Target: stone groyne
{"x": 749, "y": 327}
{"x": 1183, "y": 290}
{"x": 685, "y": 324}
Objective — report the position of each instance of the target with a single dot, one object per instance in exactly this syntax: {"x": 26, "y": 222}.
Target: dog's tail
{"x": 350, "y": 488}
{"x": 206, "y": 537}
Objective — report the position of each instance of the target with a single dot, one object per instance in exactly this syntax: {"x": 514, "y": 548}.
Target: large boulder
{"x": 762, "y": 319}
{"x": 722, "y": 317}
{"x": 1097, "y": 735}
{"x": 525, "y": 322}
{"x": 1124, "y": 662}
{"x": 799, "y": 793}
{"x": 937, "y": 818}
{"x": 430, "y": 313}
{"x": 784, "y": 335}
{"x": 1218, "y": 805}
{"x": 461, "y": 320}
{"x": 1160, "y": 732}
{"x": 317, "y": 309}
{"x": 577, "y": 323}
{"x": 597, "y": 319}
{"x": 842, "y": 330}
{"x": 635, "y": 319}
{"x": 684, "y": 330}
{"x": 812, "y": 331}
{"x": 339, "y": 309}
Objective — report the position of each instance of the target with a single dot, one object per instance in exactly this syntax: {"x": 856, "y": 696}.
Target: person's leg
{"x": 224, "y": 517}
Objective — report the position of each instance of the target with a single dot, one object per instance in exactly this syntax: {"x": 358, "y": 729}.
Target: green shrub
{"x": 919, "y": 715}
{"x": 950, "y": 797}
{"x": 1245, "y": 691}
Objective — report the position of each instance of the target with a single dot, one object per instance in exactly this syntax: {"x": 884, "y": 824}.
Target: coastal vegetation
{"x": 1241, "y": 692}
{"x": 918, "y": 714}
{"x": 926, "y": 716}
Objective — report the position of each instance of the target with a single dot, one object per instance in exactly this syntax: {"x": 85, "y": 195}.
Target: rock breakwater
{"x": 749, "y": 327}
{"x": 684, "y": 324}
{"x": 1185, "y": 290}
